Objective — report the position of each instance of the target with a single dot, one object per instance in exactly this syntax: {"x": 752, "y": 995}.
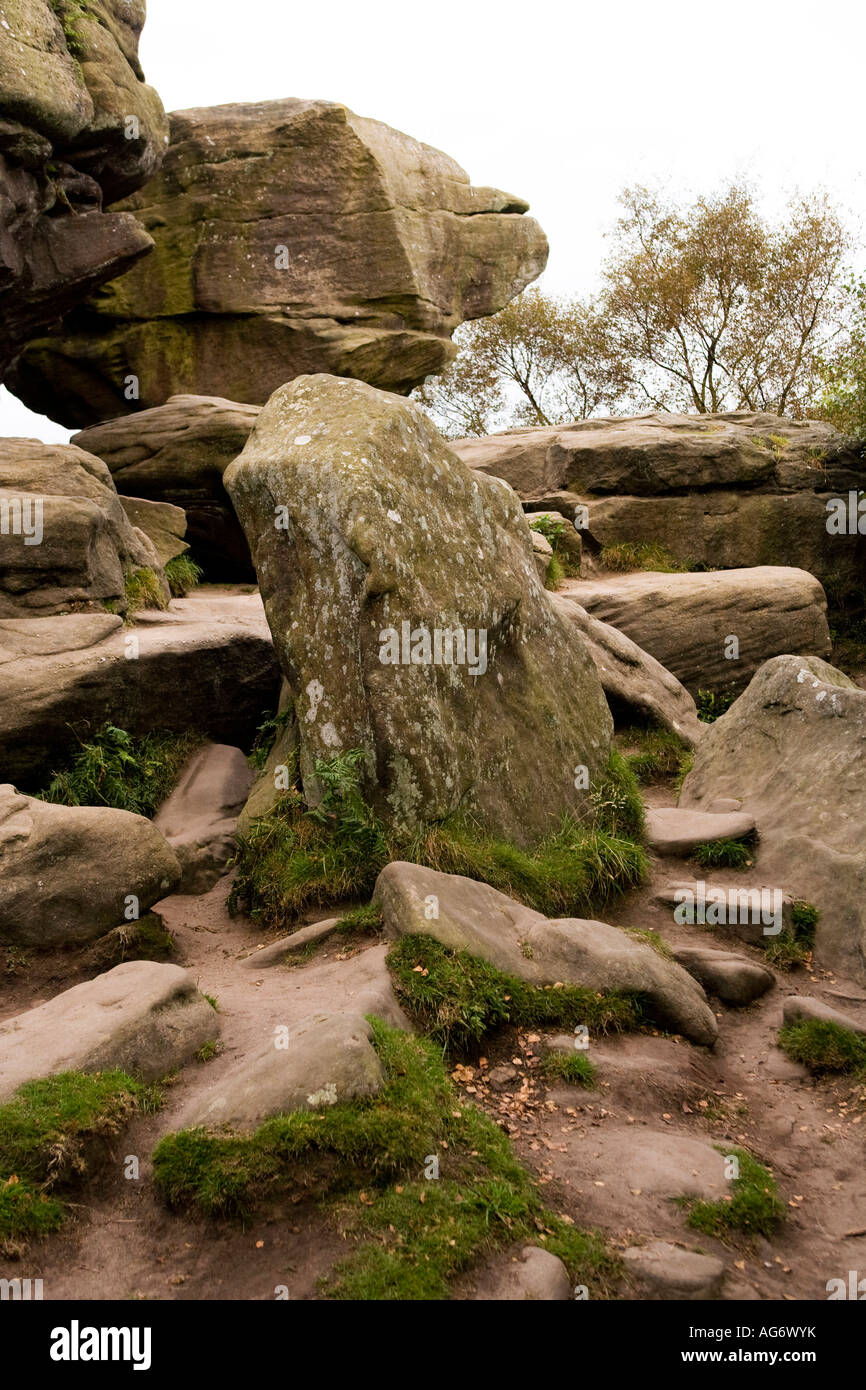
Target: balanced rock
{"x": 334, "y": 244}
{"x": 408, "y": 617}
{"x": 515, "y": 939}
{"x": 794, "y": 748}
{"x": 71, "y": 873}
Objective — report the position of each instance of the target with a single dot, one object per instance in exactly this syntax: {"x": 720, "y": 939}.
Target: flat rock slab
{"x": 322, "y": 1061}
{"x": 754, "y": 913}
{"x": 673, "y": 832}
{"x": 533, "y": 1276}
{"x": 200, "y": 817}
{"x": 641, "y": 1161}
{"x": 360, "y": 985}
{"x": 798, "y": 1006}
{"x": 664, "y": 1271}
{"x": 142, "y": 1017}
{"x": 733, "y": 979}
{"x": 646, "y": 1074}
{"x": 473, "y": 917}
{"x": 279, "y": 951}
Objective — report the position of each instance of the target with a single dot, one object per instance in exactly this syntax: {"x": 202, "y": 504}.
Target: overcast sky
{"x": 563, "y": 103}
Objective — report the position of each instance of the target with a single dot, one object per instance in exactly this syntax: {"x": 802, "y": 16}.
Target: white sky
{"x": 562, "y": 103}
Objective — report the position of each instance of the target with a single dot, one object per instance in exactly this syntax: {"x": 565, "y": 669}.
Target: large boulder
{"x": 163, "y": 524}
{"x": 409, "y": 619}
{"x": 71, "y": 873}
{"x": 517, "y": 940}
{"x": 78, "y": 125}
{"x": 142, "y": 1017}
{"x": 200, "y": 817}
{"x": 208, "y": 664}
{"x": 177, "y": 453}
{"x": 793, "y": 747}
{"x": 65, "y": 540}
{"x": 687, "y": 621}
{"x": 291, "y": 237}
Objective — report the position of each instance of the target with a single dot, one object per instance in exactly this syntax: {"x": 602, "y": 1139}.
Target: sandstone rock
{"x": 280, "y": 762}
{"x": 536, "y": 1276}
{"x": 685, "y": 620}
{"x": 361, "y": 986}
{"x": 208, "y": 664}
{"x": 163, "y": 524}
{"x": 797, "y": 1007}
{"x": 200, "y": 817}
{"x": 386, "y": 534}
{"x": 65, "y": 100}
{"x": 142, "y": 1017}
{"x": 364, "y": 251}
{"x": 756, "y": 913}
{"x": 673, "y": 831}
{"x": 65, "y": 539}
{"x": 329, "y": 1059}
{"x": 733, "y": 979}
{"x": 656, "y": 1163}
{"x": 177, "y": 453}
{"x": 664, "y": 1271}
{"x": 476, "y": 918}
{"x": 644, "y": 1073}
{"x": 67, "y": 872}
{"x": 542, "y": 552}
{"x": 633, "y": 681}
{"x": 277, "y": 952}
{"x": 794, "y": 748}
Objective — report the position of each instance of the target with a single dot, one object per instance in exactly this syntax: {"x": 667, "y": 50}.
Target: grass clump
{"x": 713, "y": 704}
{"x": 794, "y": 945}
{"x": 119, "y": 770}
{"x": 824, "y": 1046}
{"x": 366, "y": 921}
{"x": 754, "y": 1208}
{"x": 52, "y": 1133}
{"x": 724, "y": 854}
{"x": 183, "y": 574}
{"x": 572, "y": 1067}
{"x": 658, "y": 753}
{"x": 143, "y": 590}
{"x": 565, "y": 562}
{"x": 641, "y": 555}
{"x": 297, "y": 857}
{"x": 457, "y": 999}
{"x": 412, "y": 1236}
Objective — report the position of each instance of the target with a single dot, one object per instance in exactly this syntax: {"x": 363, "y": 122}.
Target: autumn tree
{"x": 843, "y": 400}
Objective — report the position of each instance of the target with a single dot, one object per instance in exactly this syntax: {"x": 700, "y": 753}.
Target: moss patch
{"x": 644, "y": 555}
{"x": 754, "y": 1207}
{"x": 573, "y": 1068}
{"x": 823, "y": 1046}
{"x": 654, "y": 754}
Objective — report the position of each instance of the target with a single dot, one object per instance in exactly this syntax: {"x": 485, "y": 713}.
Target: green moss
{"x": 655, "y": 754}
{"x": 366, "y": 921}
{"x": 712, "y": 704}
{"x": 724, "y": 854}
{"x": 411, "y": 1236}
{"x": 754, "y": 1207}
{"x": 70, "y": 14}
{"x": 555, "y": 574}
{"x": 644, "y": 555}
{"x": 571, "y": 1067}
{"x": 647, "y": 937}
{"x": 823, "y": 1046}
{"x": 120, "y": 770}
{"x": 52, "y": 1133}
{"x": 564, "y": 564}
{"x": 183, "y": 574}
{"x": 457, "y": 999}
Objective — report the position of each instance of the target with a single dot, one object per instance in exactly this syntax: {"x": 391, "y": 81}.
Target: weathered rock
{"x": 537, "y": 1276}
{"x": 664, "y": 1271}
{"x": 65, "y": 540}
{"x": 366, "y": 529}
{"x": 542, "y": 552}
{"x": 209, "y": 664}
{"x": 280, "y": 764}
{"x": 163, "y": 524}
{"x": 686, "y": 621}
{"x": 200, "y": 817}
{"x": 733, "y": 979}
{"x": 673, "y": 831}
{"x": 797, "y": 1007}
{"x": 178, "y": 453}
{"x": 142, "y": 1017}
{"x": 754, "y": 913}
{"x": 277, "y": 952}
{"x": 640, "y": 1071}
{"x": 794, "y": 748}
{"x": 67, "y": 873}
{"x": 476, "y": 918}
{"x": 327, "y": 1059}
{"x": 361, "y": 985}
{"x": 362, "y": 253}
{"x": 77, "y": 124}
{"x": 633, "y": 681}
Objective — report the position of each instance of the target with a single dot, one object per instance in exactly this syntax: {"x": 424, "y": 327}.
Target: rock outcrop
{"x": 408, "y": 617}
{"x": 712, "y": 630}
{"x": 178, "y": 453}
{"x": 291, "y": 237}
{"x": 793, "y": 747}
{"x": 66, "y": 542}
{"x": 78, "y": 127}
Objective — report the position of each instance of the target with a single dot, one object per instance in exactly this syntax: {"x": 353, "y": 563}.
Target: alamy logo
{"x": 720, "y": 907}
{"x": 855, "y": 1289}
{"x": 77, "y": 1343}
{"x": 438, "y": 646}
{"x": 847, "y": 516}
{"x": 20, "y": 1290}
{"x": 22, "y": 516}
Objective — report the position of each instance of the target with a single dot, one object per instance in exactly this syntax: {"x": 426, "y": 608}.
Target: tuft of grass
{"x": 794, "y": 945}
{"x": 555, "y": 573}
{"x": 117, "y": 769}
{"x": 642, "y": 555}
{"x": 754, "y": 1207}
{"x": 571, "y": 1067}
{"x": 295, "y": 858}
{"x": 206, "y": 1053}
{"x": 647, "y": 937}
{"x": 366, "y": 921}
{"x": 52, "y": 1134}
{"x": 212, "y": 1000}
{"x": 411, "y": 1236}
{"x": 823, "y": 1046}
{"x": 660, "y": 754}
{"x": 143, "y": 590}
{"x": 724, "y": 854}
{"x": 457, "y": 999}
{"x": 564, "y": 563}
{"x": 713, "y": 704}
{"x": 183, "y": 574}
